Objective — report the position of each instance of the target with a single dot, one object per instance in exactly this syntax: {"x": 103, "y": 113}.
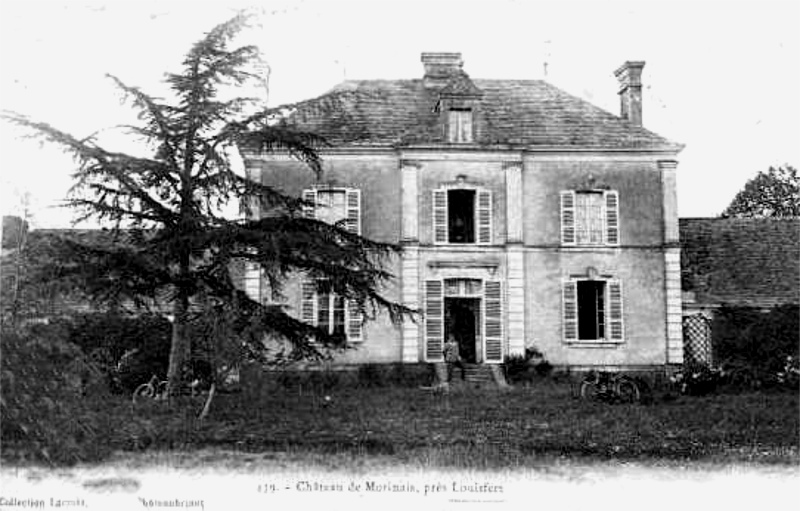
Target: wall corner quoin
{"x": 669, "y": 188}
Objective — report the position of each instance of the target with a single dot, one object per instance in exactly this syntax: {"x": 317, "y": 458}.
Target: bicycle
{"x": 609, "y": 388}
{"x": 154, "y": 389}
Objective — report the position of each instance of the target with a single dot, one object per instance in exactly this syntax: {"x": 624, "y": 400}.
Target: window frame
{"x": 353, "y": 326}
{"x": 609, "y": 217}
{"x": 613, "y": 311}
{"x": 353, "y": 203}
{"x": 483, "y": 215}
{"x": 463, "y": 122}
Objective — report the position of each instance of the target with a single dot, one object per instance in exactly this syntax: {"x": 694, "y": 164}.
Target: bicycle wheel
{"x": 627, "y": 391}
{"x": 142, "y": 392}
{"x": 590, "y": 390}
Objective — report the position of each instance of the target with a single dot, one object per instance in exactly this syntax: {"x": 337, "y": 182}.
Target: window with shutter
{"x": 335, "y": 205}
{"x": 353, "y": 200}
{"x": 569, "y": 297}
{"x": 440, "y": 233}
{"x": 434, "y": 320}
{"x": 493, "y": 322}
{"x": 484, "y": 216}
{"x": 462, "y": 215}
{"x": 308, "y": 306}
{"x": 589, "y": 217}
{"x": 310, "y": 209}
{"x": 354, "y": 321}
{"x": 568, "y": 217}
{"x": 612, "y": 217}
{"x": 330, "y": 312}
{"x": 615, "y": 322}
{"x": 592, "y": 310}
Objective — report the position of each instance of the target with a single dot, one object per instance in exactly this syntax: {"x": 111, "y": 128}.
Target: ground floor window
{"x": 592, "y": 310}
{"x": 333, "y": 313}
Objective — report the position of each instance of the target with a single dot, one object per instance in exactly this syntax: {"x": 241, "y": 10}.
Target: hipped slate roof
{"x": 741, "y": 261}
{"x": 511, "y": 113}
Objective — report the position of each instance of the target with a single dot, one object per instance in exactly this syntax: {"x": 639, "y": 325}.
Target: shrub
{"x": 698, "y": 379}
{"x": 751, "y": 347}
{"x": 371, "y": 375}
{"x": 131, "y": 348}
{"x": 526, "y": 368}
{"x": 42, "y": 412}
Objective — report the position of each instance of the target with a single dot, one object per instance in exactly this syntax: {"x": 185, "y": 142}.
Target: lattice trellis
{"x": 697, "y": 340}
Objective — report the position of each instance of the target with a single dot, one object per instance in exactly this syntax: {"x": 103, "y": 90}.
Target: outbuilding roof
{"x": 741, "y": 261}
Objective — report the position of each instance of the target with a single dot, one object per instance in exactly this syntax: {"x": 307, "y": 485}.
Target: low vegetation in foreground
{"x": 464, "y": 428}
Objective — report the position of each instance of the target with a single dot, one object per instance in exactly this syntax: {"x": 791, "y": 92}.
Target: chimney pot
{"x": 629, "y": 75}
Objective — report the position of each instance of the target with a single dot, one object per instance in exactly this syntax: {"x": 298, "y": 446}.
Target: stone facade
{"x": 517, "y": 233}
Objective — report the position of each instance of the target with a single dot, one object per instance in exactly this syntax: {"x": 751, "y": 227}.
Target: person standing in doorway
{"x": 452, "y": 357}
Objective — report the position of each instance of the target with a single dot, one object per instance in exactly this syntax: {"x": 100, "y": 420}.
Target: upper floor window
{"x": 335, "y": 205}
{"x": 459, "y": 125}
{"x": 589, "y": 217}
{"x": 462, "y": 215}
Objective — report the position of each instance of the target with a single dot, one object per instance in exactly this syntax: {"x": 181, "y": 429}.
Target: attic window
{"x": 459, "y": 125}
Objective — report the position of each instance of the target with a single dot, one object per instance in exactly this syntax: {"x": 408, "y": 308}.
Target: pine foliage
{"x": 168, "y": 240}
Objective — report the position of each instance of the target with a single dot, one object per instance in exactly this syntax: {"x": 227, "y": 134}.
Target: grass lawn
{"x": 477, "y": 428}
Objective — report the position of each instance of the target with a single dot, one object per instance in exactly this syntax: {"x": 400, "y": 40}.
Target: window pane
{"x": 332, "y": 205}
{"x": 589, "y": 217}
{"x": 323, "y": 311}
{"x": 591, "y": 310}
{"x": 451, "y": 287}
{"x": 473, "y": 286}
{"x": 460, "y": 125}
{"x": 461, "y": 216}
{"x": 338, "y": 315}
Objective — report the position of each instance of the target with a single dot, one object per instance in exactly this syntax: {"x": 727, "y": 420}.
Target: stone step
{"x": 483, "y": 375}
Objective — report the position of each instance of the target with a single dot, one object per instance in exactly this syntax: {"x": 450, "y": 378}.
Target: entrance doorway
{"x": 462, "y": 319}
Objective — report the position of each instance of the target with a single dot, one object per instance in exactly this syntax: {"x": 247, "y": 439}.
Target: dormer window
{"x": 460, "y": 125}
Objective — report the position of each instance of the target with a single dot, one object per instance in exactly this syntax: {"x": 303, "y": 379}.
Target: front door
{"x": 462, "y": 320}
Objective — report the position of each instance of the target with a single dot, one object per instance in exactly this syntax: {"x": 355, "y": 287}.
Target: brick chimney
{"x": 629, "y": 75}
{"x": 440, "y": 67}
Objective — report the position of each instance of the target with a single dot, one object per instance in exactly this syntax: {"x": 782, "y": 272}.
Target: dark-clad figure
{"x": 452, "y": 357}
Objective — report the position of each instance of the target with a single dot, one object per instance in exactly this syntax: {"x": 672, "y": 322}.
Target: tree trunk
{"x": 180, "y": 348}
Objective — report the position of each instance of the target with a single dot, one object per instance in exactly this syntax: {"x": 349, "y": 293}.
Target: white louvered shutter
{"x": 310, "y": 196}
{"x": 612, "y": 217}
{"x": 615, "y": 323}
{"x": 353, "y": 201}
{"x": 308, "y": 302}
{"x": 484, "y": 217}
{"x": 493, "y": 326}
{"x": 354, "y": 322}
{"x": 569, "y": 307}
{"x": 568, "y": 217}
{"x": 434, "y": 320}
{"x": 440, "y": 234}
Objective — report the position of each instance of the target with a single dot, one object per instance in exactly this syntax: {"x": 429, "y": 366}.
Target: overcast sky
{"x": 721, "y": 77}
